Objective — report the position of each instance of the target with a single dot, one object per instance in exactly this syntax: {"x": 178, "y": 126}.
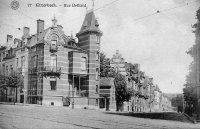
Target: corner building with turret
{"x": 61, "y": 71}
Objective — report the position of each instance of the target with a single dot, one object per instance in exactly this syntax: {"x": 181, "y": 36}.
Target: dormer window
{"x": 53, "y": 46}
{"x": 53, "y": 42}
{"x": 98, "y": 39}
{"x": 54, "y": 39}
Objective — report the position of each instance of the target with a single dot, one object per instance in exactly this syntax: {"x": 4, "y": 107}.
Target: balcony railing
{"x": 48, "y": 71}
{"x": 9, "y": 57}
{"x": 104, "y": 92}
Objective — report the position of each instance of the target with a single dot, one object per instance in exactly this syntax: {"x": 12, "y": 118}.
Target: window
{"x": 116, "y": 69}
{"x": 3, "y": 54}
{"x": 83, "y": 63}
{"x": 53, "y": 83}
{"x": 97, "y": 55}
{"x": 97, "y": 88}
{"x": 34, "y": 87}
{"x": 53, "y": 61}
{"x": 23, "y": 62}
{"x": 98, "y": 39}
{"x": 17, "y": 62}
{"x": 6, "y": 70}
{"x": 3, "y": 69}
{"x": 54, "y": 40}
{"x": 6, "y": 53}
{"x": 53, "y": 45}
{"x": 97, "y": 73}
{"x": 35, "y": 61}
{"x": 11, "y": 68}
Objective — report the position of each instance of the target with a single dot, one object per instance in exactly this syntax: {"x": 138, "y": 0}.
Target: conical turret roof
{"x": 90, "y": 24}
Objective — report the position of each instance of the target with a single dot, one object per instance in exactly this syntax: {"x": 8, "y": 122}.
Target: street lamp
{"x": 73, "y": 93}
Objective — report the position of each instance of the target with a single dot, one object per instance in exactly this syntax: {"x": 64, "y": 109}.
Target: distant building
{"x": 118, "y": 63}
{"x": 7, "y": 61}
{"x": 135, "y": 80}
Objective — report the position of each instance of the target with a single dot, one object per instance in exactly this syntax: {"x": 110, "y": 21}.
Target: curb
{"x": 46, "y": 106}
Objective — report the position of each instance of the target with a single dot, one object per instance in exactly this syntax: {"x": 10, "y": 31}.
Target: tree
{"x": 151, "y": 98}
{"x": 178, "y": 102}
{"x": 192, "y": 78}
{"x": 122, "y": 93}
{"x": 105, "y": 68}
{"x": 120, "y": 90}
{"x": 14, "y": 80}
{"x": 3, "y": 88}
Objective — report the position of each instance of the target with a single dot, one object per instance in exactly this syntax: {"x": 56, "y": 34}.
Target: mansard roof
{"x": 70, "y": 42}
{"x": 90, "y": 24}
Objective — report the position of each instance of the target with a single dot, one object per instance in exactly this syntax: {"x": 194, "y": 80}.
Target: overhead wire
{"x": 137, "y": 19}
{"x": 166, "y": 10}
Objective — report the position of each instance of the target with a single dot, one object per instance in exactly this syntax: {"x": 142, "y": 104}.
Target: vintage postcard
{"x": 100, "y": 64}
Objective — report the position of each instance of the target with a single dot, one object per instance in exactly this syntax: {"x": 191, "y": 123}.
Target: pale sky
{"x": 158, "y": 42}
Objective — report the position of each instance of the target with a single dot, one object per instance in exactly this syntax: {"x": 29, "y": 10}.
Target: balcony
{"x": 9, "y": 57}
{"x": 105, "y": 92}
{"x": 53, "y": 48}
{"x": 49, "y": 71}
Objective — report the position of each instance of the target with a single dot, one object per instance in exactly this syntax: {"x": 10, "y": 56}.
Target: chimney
{"x": 9, "y": 40}
{"x": 137, "y": 67}
{"x": 26, "y": 31}
{"x": 40, "y": 26}
{"x": 16, "y": 42}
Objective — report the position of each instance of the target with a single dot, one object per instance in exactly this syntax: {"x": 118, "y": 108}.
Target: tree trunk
{"x": 16, "y": 95}
{"x": 6, "y": 94}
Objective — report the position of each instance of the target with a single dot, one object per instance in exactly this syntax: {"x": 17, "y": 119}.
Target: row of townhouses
{"x": 148, "y": 96}
{"x": 58, "y": 70}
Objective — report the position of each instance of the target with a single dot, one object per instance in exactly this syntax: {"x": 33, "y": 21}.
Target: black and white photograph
{"x": 99, "y": 64}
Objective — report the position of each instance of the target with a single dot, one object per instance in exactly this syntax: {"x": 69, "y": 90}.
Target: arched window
{"x": 97, "y": 55}
{"x": 54, "y": 40}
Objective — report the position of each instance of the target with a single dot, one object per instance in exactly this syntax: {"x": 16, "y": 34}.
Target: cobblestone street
{"x": 17, "y": 116}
